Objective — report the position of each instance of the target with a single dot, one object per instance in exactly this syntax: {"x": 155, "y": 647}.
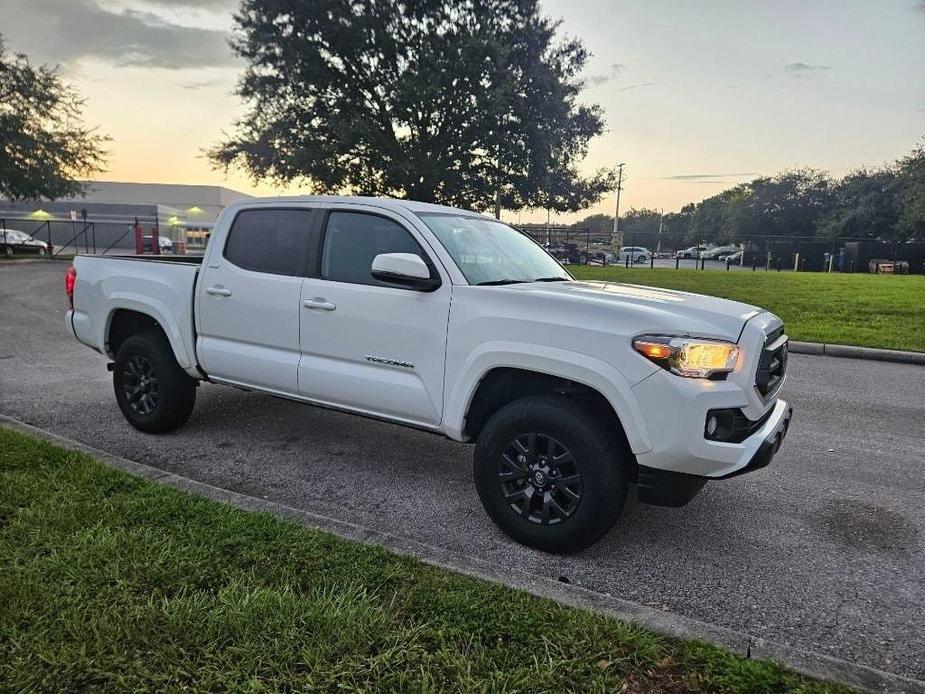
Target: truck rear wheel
{"x": 153, "y": 392}
{"x": 551, "y": 474}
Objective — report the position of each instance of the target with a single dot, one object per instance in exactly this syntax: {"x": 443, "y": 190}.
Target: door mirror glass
{"x": 403, "y": 268}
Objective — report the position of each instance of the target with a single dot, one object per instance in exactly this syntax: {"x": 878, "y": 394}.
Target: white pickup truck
{"x": 445, "y": 320}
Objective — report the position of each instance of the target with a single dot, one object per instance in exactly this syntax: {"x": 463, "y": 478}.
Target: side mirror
{"x": 406, "y": 269}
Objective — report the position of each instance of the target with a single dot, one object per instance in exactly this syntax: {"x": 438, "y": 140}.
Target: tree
{"x": 865, "y": 206}
{"x": 792, "y": 203}
{"x": 711, "y": 217}
{"x": 676, "y": 226}
{"x": 600, "y": 224}
{"x": 910, "y": 198}
{"x": 44, "y": 148}
{"x": 471, "y": 104}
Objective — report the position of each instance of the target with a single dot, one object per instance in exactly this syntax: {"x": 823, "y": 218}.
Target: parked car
{"x": 602, "y": 258}
{"x": 14, "y": 241}
{"x": 164, "y": 243}
{"x": 733, "y": 258}
{"x": 718, "y": 252}
{"x": 569, "y": 254}
{"x": 692, "y": 252}
{"x": 454, "y": 323}
{"x": 636, "y": 254}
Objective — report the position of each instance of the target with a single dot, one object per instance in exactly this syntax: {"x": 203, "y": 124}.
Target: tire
{"x": 593, "y": 451}
{"x": 641, "y": 259}
{"x": 8, "y": 251}
{"x": 42, "y": 251}
{"x": 153, "y": 392}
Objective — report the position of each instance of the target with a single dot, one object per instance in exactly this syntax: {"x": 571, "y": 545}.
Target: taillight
{"x": 69, "y": 279}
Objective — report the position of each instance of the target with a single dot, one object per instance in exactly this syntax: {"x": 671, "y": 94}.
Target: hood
{"x": 653, "y": 309}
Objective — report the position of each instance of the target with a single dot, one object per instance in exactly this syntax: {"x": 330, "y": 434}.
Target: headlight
{"x": 689, "y": 357}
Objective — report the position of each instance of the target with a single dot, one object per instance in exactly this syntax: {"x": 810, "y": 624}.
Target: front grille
{"x": 773, "y": 362}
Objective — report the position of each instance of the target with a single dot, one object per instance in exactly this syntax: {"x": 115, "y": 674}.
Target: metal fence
{"x": 77, "y": 236}
{"x": 581, "y": 245}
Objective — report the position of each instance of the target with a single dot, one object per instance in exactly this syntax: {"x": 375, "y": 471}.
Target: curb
{"x": 666, "y": 623}
{"x": 822, "y": 349}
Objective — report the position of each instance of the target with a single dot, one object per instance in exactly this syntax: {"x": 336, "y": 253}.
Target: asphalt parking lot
{"x": 824, "y": 550}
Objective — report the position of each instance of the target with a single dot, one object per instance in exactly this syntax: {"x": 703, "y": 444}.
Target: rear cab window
{"x": 275, "y": 241}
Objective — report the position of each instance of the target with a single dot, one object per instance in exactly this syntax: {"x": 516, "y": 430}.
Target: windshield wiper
{"x": 552, "y": 279}
{"x": 494, "y": 283}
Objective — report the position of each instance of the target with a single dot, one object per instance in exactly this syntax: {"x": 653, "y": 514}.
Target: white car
{"x": 718, "y": 252}
{"x": 635, "y": 254}
{"x": 692, "y": 252}
{"x": 732, "y": 258}
{"x": 13, "y": 241}
{"x": 457, "y": 324}
{"x": 163, "y": 243}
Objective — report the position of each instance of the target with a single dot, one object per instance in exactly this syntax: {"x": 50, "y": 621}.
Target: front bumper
{"x": 675, "y": 411}
{"x": 671, "y": 488}
{"x": 771, "y": 443}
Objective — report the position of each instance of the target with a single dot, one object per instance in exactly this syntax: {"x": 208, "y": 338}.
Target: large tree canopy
{"x": 467, "y": 103}
{"x": 44, "y": 147}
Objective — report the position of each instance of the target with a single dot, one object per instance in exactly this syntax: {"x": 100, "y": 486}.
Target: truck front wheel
{"x": 551, "y": 473}
{"x": 153, "y": 392}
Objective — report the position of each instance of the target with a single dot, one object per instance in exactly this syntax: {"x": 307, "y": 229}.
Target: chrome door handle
{"x": 319, "y": 303}
{"x": 218, "y": 291}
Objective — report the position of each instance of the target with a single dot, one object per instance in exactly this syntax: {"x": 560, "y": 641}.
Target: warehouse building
{"x": 102, "y": 218}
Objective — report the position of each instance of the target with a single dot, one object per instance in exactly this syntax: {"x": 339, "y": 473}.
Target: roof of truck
{"x": 386, "y": 203}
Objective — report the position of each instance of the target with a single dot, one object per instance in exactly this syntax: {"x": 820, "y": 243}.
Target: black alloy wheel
{"x": 140, "y": 385}
{"x": 540, "y": 479}
{"x": 551, "y": 472}
{"x": 154, "y": 393}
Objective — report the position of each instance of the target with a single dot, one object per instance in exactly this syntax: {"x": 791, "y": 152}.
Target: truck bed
{"x": 161, "y": 287}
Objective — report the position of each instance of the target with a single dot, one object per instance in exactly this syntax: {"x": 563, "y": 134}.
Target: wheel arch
{"x": 124, "y": 321}
{"x": 472, "y": 401}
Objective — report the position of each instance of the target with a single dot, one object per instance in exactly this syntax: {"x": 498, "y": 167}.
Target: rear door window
{"x": 274, "y": 241}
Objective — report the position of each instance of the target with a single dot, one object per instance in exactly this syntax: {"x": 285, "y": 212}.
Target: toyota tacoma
{"x": 573, "y": 392}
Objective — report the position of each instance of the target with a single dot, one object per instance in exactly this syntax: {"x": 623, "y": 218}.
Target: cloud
{"x": 708, "y": 177}
{"x": 637, "y": 86}
{"x": 207, "y": 4}
{"x": 615, "y": 70}
{"x": 62, "y": 31}
{"x": 203, "y": 84}
{"x": 803, "y": 70}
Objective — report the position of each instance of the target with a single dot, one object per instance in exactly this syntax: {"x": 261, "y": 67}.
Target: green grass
{"x": 850, "y": 309}
{"x": 112, "y": 582}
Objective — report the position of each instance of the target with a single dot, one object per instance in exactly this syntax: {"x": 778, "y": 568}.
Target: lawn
{"x": 850, "y": 309}
{"x": 112, "y": 582}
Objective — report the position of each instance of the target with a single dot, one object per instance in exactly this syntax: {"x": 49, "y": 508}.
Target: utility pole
{"x": 661, "y": 217}
{"x": 616, "y": 216}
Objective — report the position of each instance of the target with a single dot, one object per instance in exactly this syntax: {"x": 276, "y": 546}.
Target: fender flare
{"x": 574, "y": 366}
{"x": 152, "y": 307}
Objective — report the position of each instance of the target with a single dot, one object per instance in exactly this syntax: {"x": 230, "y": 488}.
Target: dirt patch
{"x": 869, "y": 527}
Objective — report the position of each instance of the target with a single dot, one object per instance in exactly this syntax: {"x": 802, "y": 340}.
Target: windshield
{"x": 489, "y": 252}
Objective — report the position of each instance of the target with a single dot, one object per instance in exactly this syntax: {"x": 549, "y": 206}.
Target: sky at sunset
{"x": 698, "y": 96}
